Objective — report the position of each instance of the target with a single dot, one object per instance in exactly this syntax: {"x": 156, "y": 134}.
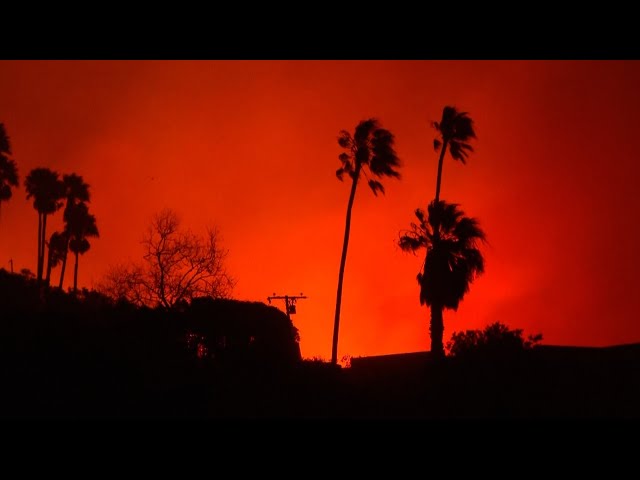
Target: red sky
{"x": 250, "y": 146}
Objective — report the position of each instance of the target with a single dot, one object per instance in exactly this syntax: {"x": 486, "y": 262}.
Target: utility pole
{"x": 11, "y": 262}
{"x": 289, "y": 302}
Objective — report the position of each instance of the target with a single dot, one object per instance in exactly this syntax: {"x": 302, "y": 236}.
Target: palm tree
{"x": 452, "y": 262}
{"x": 80, "y": 226}
{"x": 76, "y": 190}
{"x": 47, "y": 191}
{"x": 8, "y": 168}
{"x": 57, "y": 250}
{"x": 371, "y": 148}
{"x": 456, "y": 130}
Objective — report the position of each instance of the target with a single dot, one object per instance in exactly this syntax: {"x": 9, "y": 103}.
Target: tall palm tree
{"x": 57, "y": 249}
{"x": 47, "y": 191}
{"x": 76, "y": 190}
{"x": 80, "y": 226}
{"x": 456, "y": 130}
{"x": 8, "y": 168}
{"x": 370, "y": 148}
{"x": 452, "y": 262}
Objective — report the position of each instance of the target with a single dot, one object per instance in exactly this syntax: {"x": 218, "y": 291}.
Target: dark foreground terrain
{"x": 62, "y": 356}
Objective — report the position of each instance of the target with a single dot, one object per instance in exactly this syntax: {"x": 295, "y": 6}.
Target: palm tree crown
{"x": 456, "y": 130}
{"x": 75, "y": 189}
{"x": 8, "y": 168}
{"x": 453, "y": 258}
{"x": 370, "y": 146}
{"x": 46, "y": 189}
{"x": 80, "y": 223}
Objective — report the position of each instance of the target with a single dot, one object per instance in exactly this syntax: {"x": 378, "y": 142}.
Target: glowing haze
{"x": 250, "y": 146}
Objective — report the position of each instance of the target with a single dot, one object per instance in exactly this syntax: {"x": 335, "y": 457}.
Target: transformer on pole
{"x": 289, "y": 302}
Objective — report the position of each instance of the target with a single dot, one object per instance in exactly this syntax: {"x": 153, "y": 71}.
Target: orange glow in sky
{"x": 250, "y": 146}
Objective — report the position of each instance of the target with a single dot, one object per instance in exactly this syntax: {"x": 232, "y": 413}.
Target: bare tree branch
{"x": 177, "y": 265}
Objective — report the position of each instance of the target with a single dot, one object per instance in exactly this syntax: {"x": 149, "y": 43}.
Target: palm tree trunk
{"x": 343, "y": 261}
{"x": 64, "y": 263}
{"x": 47, "y": 280}
{"x": 75, "y": 275}
{"x": 43, "y": 244}
{"x": 436, "y": 329}
{"x": 39, "y": 247}
{"x": 440, "y": 162}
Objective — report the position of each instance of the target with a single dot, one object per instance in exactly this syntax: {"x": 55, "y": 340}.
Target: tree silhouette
{"x": 47, "y": 191}
{"x": 496, "y": 339}
{"x": 370, "y": 148}
{"x": 76, "y": 190}
{"x": 456, "y": 130}
{"x": 57, "y": 250}
{"x": 178, "y": 266}
{"x": 8, "y": 168}
{"x": 80, "y": 226}
{"x": 452, "y": 262}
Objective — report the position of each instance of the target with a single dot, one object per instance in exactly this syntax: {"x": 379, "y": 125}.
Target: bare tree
{"x": 177, "y": 265}
{"x": 126, "y": 282}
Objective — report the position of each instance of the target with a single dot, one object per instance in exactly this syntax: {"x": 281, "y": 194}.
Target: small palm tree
{"x": 370, "y": 148}
{"x": 80, "y": 226}
{"x": 452, "y": 262}
{"x": 57, "y": 249}
{"x": 456, "y": 130}
{"x": 76, "y": 190}
{"x": 47, "y": 191}
{"x": 8, "y": 168}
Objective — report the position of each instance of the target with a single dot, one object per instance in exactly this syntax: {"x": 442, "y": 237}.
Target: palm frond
{"x": 75, "y": 188}
{"x": 5, "y": 192}
{"x": 5, "y": 144}
{"x": 344, "y": 158}
{"x": 8, "y": 171}
{"x": 376, "y": 187}
{"x": 460, "y": 151}
{"x": 344, "y": 139}
{"x": 463, "y": 127}
{"x": 411, "y": 241}
{"x": 79, "y": 245}
{"x": 468, "y": 231}
{"x": 384, "y": 160}
{"x": 364, "y": 130}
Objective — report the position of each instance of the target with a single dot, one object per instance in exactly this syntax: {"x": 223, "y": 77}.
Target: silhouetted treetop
{"x": 453, "y": 256}
{"x": 371, "y": 146}
{"x": 75, "y": 189}
{"x": 178, "y": 265}
{"x": 46, "y": 189}
{"x": 456, "y": 130}
{"x": 494, "y": 339}
{"x": 8, "y": 167}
